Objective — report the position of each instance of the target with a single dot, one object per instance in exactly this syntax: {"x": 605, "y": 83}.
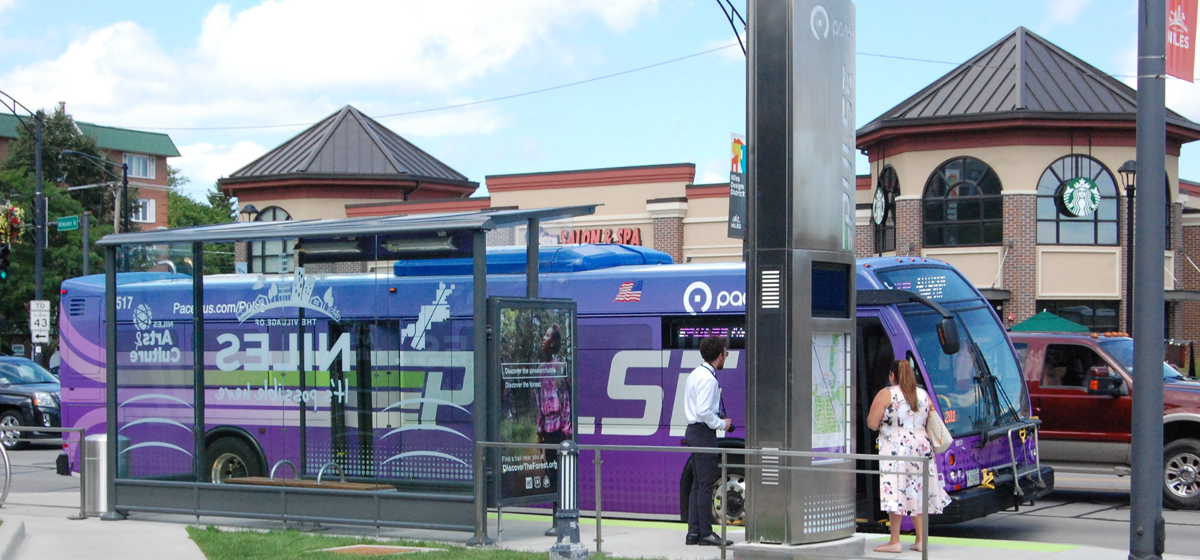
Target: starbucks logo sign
{"x": 1078, "y": 197}
{"x": 879, "y": 206}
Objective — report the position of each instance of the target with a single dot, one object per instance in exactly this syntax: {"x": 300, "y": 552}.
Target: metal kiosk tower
{"x": 800, "y": 270}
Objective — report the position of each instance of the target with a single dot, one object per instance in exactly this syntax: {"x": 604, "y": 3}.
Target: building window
{"x": 143, "y": 211}
{"x": 1054, "y": 227}
{"x": 1097, "y": 315}
{"x": 140, "y": 166}
{"x": 887, "y": 189}
{"x": 270, "y": 256}
{"x": 962, "y": 205}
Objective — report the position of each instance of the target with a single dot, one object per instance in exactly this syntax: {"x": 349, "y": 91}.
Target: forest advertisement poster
{"x": 536, "y": 361}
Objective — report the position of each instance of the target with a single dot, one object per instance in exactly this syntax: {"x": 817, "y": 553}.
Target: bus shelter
{"x": 300, "y": 395}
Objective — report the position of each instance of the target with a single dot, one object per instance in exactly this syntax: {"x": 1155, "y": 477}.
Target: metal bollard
{"x": 567, "y": 519}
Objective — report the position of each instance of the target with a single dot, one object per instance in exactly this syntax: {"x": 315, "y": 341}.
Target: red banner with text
{"x": 1181, "y": 39}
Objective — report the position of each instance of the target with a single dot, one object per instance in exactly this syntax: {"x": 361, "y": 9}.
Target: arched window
{"x": 883, "y": 210}
{"x": 962, "y": 205}
{"x": 1096, "y": 223}
{"x": 270, "y": 256}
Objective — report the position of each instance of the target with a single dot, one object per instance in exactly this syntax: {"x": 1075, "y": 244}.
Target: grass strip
{"x": 290, "y": 544}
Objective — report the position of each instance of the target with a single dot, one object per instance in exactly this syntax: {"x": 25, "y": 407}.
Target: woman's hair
{"x": 907, "y": 381}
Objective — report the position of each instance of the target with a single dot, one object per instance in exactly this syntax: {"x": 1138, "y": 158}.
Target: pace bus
{"x": 389, "y": 393}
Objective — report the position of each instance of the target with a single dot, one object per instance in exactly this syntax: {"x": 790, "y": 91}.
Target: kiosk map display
{"x": 830, "y": 388}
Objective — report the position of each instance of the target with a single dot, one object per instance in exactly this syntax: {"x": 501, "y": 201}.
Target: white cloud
{"x": 204, "y": 163}
{"x": 1065, "y": 12}
{"x": 458, "y": 122}
{"x": 286, "y": 61}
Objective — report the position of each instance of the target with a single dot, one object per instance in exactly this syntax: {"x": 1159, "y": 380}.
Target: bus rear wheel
{"x": 735, "y": 488}
{"x": 231, "y": 458}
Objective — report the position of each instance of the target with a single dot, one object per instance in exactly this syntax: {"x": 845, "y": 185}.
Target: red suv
{"x": 1080, "y": 386}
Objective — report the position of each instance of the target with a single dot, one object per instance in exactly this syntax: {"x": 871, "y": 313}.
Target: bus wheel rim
{"x": 1183, "y": 475}
{"x": 735, "y": 488}
{"x": 225, "y": 466}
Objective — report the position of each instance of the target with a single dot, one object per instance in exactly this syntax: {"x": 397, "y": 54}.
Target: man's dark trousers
{"x": 704, "y": 476}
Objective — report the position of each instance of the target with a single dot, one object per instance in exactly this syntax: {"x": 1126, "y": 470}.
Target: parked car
{"x": 1081, "y": 387}
{"x": 29, "y": 396}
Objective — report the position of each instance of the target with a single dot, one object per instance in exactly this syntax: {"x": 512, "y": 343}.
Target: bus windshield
{"x": 969, "y": 404}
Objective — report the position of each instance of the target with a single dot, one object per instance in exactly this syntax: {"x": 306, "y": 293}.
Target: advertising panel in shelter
{"x": 534, "y": 363}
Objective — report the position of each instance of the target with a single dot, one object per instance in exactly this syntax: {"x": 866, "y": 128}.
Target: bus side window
{"x": 685, "y": 333}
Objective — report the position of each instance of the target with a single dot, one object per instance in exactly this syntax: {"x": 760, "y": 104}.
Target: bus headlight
{"x": 44, "y": 400}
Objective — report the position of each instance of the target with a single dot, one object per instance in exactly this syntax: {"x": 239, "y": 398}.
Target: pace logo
{"x": 698, "y": 296}
{"x": 695, "y": 294}
{"x": 819, "y": 21}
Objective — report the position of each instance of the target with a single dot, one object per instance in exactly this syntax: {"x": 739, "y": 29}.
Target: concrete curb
{"x": 11, "y": 535}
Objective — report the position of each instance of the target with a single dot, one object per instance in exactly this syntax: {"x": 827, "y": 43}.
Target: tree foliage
{"x": 65, "y": 170}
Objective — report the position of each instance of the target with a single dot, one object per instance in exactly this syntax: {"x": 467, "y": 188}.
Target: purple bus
{"x": 388, "y": 392}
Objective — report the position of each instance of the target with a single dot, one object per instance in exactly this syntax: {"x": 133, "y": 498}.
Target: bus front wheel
{"x": 232, "y": 458}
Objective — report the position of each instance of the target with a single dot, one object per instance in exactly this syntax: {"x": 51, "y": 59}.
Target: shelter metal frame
{"x": 451, "y": 509}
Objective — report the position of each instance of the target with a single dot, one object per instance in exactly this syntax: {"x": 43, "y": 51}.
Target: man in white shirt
{"x": 702, "y": 407}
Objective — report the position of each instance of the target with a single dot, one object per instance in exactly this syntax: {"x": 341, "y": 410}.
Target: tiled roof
{"x": 349, "y": 143}
{"x": 1020, "y": 76}
{"x": 109, "y": 138}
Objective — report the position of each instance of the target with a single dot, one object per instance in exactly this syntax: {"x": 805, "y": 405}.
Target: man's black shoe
{"x": 712, "y": 540}
{"x": 692, "y": 538}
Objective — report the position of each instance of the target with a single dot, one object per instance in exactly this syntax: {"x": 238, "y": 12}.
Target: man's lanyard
{"x": 721, "y": 398}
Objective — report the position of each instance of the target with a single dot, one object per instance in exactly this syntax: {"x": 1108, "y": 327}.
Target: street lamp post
{"x": 1128, "y": 171}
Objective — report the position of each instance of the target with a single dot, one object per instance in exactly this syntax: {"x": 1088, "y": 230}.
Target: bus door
{"x": 875, "y": 355}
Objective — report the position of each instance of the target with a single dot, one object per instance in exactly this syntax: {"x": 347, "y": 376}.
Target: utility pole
{"x": 87, "y": 238}
{"x": 1147, "y": 531}
{"x": 39, "y": 217}
{"x": 39, "y": 224}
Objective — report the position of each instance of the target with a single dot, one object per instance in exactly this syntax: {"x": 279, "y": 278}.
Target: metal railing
{"x": 82, "y": 465}
{"x": 597, "y": 461}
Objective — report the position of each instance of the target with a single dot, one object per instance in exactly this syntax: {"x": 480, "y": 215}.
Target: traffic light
{"x": 4, "y": 252}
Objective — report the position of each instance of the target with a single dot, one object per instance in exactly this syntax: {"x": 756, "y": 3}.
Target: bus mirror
{"x": 947, "y": 330}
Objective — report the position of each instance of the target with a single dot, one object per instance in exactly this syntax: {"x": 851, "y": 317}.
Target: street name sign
{"x": 68, "y": 223}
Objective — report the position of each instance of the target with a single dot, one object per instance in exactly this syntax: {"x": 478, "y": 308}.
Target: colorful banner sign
{"x": 737, "y": 188}
{"x": 1181, "y": 39}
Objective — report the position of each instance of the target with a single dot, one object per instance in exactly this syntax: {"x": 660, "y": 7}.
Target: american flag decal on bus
{"x": 630, "y": 291}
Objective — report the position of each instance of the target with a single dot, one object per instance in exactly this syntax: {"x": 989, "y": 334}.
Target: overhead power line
{"x": 729, "y": 16}
{"x": 457, "y": 105}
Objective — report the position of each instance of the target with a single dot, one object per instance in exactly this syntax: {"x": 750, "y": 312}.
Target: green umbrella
{"x": 1048, "y": 322}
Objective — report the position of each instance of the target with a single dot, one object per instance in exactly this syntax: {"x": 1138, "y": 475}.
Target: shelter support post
{"x": 110, "y": 387}
{"x": 483, "y": 414}
{"x": 198, "y": 356}
{"x": 531, "y": 257}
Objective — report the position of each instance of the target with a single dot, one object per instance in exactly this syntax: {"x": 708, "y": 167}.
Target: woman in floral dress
{"x": 899, "y": 412}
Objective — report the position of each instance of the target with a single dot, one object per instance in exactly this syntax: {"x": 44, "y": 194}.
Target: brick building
{"x": 146, "y": 154}
{"x": 973, "y": 169}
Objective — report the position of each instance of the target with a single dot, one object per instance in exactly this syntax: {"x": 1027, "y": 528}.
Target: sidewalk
{"x": 49, "y": 534}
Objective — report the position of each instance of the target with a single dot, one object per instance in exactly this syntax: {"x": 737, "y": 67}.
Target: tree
{"x": 184, "y": 211}
{"x": 60, "y": 133}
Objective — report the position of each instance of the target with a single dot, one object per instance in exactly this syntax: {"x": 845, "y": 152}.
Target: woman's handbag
{"x": 939, "y": 435}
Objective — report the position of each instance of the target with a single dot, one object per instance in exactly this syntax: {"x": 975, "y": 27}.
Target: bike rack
{"x": 1037, "y": 456}
{"x": 321, "y": 472}
{"x": 295, "y": 473}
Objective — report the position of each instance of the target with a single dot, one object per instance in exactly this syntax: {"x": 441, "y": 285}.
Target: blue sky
{"x": 195, "y": 64}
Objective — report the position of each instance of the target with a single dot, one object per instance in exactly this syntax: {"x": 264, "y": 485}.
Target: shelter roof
{"x": 348, "y": 143}
{"x": 1021, "y": 76}
{"x": 346, "y": 227}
